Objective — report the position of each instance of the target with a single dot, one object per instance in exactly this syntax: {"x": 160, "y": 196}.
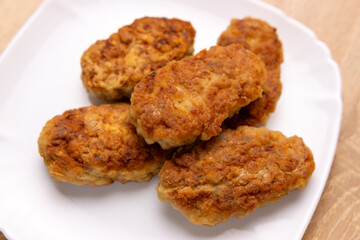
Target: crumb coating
{"x": 112, "y": 67}
{"x": 97, "y": 146}
{"x": 190, "y": 98}
{"x": 234, "y": 173}
{"x": 260, "y": 38}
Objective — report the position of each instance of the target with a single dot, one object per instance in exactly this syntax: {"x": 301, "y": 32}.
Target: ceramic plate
{"x": 40, "y": 78}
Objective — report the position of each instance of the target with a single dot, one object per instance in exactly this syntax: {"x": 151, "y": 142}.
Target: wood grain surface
{"x": 337, "y": 23}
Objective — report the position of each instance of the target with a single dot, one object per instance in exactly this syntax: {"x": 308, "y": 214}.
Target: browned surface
{"x": 260, "y": 38}
{"x": 234, "y": 173}
{"x": 336, "y": 23}
{"x": 192, "y": 97}
{"x": 112, "y": 67}
{"x": 97, "y": 146}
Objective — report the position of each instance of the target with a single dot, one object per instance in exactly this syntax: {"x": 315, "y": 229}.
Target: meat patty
{"x": 97, "y": 146}
{"x": 191, "y": 98}
{"x": 260, "y": 38}
{"x": 112, "y": 67}
{"x": 234, "y": 173}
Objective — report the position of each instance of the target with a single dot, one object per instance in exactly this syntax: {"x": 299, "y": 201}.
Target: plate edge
{"x": 338, "y": 97}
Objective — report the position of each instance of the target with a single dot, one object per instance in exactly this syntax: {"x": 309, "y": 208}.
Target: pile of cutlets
{"x": 192, "y": 118}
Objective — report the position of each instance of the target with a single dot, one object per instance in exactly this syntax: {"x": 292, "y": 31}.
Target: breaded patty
{"x": 260, "y": 38}
{"x": 97, "y": 146}
{"x": 112, "y": 67}
{"x": 191, "y": 98}
{"x": 234, "y": 173}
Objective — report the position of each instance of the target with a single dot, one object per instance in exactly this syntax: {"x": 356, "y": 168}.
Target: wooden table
{"x": 337, "y": 23}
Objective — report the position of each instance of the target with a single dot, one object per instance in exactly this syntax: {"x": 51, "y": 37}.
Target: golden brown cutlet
{"x": 97, "y": 146}
{"x": 112, "y": 67}
{"x": 234, "y": 173}
{"x": 190, "y": 98}
{"x": 260, "y": 38}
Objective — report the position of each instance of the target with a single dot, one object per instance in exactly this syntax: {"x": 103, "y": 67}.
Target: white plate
{"x": 40, "y": 77}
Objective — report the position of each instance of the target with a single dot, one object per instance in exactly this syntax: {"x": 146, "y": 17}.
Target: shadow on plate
{"x": 247, "y": 223}
{"x": 85, "y": 191}
{"x": 97, "y": 101}
{"x": 100, "y": 192}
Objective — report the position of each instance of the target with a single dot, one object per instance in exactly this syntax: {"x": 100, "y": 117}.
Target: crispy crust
{"x": 234, "y": 173}
{"x": 112, "y": 67}
{"x": 260, "y": 38}
{"x": 97, "y": 146}
{"x": 192, "y": 97}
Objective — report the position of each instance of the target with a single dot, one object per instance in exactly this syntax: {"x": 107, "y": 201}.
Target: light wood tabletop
{"x": 337, "y": 23}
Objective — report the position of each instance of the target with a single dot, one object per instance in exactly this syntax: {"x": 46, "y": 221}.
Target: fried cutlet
{"x": 260, "y": 38}
{"x": 234, "y": 173}
{"x": 190, "y": 98}
{"x": 97, "y": 146}
{"x": 112, "y": 67}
